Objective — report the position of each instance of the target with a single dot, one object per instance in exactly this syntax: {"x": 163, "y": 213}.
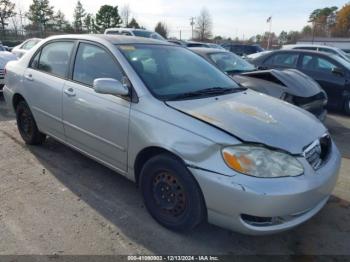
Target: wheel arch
{"x": 146, "y": 154}
{"x": 16, "y": 99}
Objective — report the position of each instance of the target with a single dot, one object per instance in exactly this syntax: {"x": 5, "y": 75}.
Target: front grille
{"x": 2, "y": 73}
{"x": 318, "y": 151}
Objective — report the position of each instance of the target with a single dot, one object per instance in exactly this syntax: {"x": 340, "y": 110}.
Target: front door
{"x": 97, "y": 124}
{"x": 321, "y": 70}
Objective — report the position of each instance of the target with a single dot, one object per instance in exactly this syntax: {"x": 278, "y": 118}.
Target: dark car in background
{"x": 242, "y": 49}
{"x": 289, "y": 85}
{"x": 330, "y": 71}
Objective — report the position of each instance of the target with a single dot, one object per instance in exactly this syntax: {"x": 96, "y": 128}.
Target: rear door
{"x": 45, "y": 78}
{"x": 97, "y": 124}
{"x": 320, "y": 68}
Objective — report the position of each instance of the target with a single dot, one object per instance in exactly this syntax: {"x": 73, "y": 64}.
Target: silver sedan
{"x": 200, "y": 146}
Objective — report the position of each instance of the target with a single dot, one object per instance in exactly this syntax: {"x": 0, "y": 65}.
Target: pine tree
{"x": 79, "y": 15}
{"x": 40, "y": 14}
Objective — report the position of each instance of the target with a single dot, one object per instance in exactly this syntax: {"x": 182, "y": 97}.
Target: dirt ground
{"x": 53, "y": 200}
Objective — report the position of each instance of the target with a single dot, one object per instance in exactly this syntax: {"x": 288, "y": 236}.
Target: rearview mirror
{"x": 338, "y": 71}
{"x": 110, "y": 86}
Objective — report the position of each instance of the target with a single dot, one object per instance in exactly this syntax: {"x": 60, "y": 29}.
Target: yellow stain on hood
{"x": 252, "y": 112}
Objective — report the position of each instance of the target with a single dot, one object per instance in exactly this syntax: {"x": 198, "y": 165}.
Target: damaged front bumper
{"x": 260, "y": 206}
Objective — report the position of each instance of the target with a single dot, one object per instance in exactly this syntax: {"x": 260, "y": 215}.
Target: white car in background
{"x": 320, "y": 48}
{"x": 23, "y": 48}
{"x": 134, "y": 32}
{"x": 5, "y": 57}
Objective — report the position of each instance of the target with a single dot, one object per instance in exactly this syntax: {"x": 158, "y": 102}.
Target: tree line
{"x": 45, "y": 21}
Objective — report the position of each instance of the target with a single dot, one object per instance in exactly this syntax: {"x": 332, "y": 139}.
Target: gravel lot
{"x": 53, "y": 200}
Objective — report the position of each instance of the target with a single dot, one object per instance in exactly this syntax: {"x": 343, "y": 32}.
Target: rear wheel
{"x": 347, "y": 105}
{"x": 171, "y": 194}
{"x": 27, "y": 126}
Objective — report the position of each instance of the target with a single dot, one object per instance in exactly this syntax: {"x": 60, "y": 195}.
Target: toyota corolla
{"x": 200, "y": 146}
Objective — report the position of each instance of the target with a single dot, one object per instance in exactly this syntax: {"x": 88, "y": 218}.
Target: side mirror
{"x": 110, "y": 86}
{"x": 338, "y": 71}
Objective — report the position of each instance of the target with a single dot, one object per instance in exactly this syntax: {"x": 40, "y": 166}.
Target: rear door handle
{"x": 29, "y": 77}
{"x": 69, "y": 91}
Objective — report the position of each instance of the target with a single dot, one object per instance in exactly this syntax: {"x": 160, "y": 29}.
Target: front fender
{"x": 195, "y": 149}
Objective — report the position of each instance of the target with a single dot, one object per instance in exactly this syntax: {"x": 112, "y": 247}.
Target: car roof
{"x": 309, "y": 45}
{"x": 298, "y": 51}
{"x": 113, "y": 39}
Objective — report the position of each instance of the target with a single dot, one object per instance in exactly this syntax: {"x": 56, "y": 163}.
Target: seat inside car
{"x": 59, "y": 62}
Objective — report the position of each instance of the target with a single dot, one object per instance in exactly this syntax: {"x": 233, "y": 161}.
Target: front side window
{"x": 54, "y": 58}
{"x": 171, "y": 71}
{"x": 231, "y": 63}
{"x": 315, "y": 63}
{"x": 94, "y": 62}
{"x": 283, "y": 60}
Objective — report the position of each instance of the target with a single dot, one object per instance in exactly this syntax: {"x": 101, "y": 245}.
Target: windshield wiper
{"x": 208, "y": 91}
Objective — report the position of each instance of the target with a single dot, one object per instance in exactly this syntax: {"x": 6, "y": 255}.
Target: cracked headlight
{"x": 259, "y": 161}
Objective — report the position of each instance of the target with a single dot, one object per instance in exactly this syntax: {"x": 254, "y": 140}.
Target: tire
{"x": 171, "y": 194}
{"x": 27, "y": 126}
{"x": 347, "y": 105}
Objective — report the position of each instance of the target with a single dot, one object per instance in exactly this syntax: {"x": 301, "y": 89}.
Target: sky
{"x": 231, "y": 18}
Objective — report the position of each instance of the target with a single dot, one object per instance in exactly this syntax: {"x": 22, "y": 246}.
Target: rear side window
{"x": 94, "y": 62}
{"x": 54, "y": 58}
{"x": 28, "y": 45}
{"x": 327, "y": 50}
{"x": 283, "y": 60}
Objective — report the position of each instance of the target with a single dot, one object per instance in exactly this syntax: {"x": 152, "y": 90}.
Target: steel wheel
{"x": 27, "y": 126}
{"x": 169, "y": 194}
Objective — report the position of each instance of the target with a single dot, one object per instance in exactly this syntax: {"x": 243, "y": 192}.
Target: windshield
{"x": 148, "y": 34}
{"x": 230, "y": 63}
{"x": 172, "y": 71}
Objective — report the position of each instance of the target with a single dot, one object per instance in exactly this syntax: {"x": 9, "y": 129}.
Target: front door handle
{"x": 69, "y": 91}
{"x": 29, "y": 77}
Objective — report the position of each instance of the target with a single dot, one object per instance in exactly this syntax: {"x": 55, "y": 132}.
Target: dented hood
{"x": 257, "y": 118}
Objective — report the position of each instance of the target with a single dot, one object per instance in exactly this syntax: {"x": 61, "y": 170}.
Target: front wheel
{"x": 27, "y": 126}
{"x": 347, "y": 105}
{"x": 171, "y": 194}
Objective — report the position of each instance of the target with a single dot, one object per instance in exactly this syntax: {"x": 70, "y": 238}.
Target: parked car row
{"x": 5, "y": 57}
{"x": 329, "y": 70}
{"x": 199, "y": 145}
{"x": 289, "y": 85}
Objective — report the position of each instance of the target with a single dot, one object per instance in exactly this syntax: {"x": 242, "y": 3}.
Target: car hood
{"x": 256, "y": 118}
{"x": 6, "y": 57}
{"x": 296, "y": 82}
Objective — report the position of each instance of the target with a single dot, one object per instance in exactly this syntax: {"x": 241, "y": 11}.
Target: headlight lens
{"x": 259, "y": 161}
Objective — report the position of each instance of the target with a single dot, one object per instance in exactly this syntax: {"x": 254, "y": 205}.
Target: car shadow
{"x": 4, "y": 114}
{"x": 119, "y": 201}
